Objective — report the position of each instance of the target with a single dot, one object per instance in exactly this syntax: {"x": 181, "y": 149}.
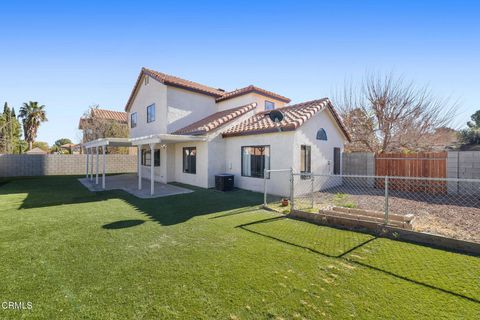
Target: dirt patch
{"x": 437, "y": 215}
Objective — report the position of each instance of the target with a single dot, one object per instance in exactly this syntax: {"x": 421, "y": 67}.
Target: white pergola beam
{"x": 96, "y": 173}
{"x": 104, "y": 168}
{"x": 152, "y": 168}
{"x": 139, "y": 166}
{"x": 91, "y": 164}
{"x": 86, "y": 162}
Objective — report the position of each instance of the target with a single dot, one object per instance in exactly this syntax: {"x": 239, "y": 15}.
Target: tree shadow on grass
{"x": 169, "y": 210}
{"x": 286, "y": 239}
{"x": 122, "y": 224}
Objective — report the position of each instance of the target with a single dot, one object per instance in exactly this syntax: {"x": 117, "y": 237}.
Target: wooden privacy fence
{"x": 422, "y": 164}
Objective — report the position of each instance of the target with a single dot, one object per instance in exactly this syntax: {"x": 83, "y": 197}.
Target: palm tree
{"x": 32, "y": 115}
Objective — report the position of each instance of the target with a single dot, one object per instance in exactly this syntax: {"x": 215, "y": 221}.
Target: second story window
{"x": 269, "y": 105}
{"x": 151, "y": 113}
{"x": 133, "y": 120}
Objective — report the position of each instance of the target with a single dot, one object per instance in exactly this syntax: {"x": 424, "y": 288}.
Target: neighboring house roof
{"x": 119, "y": 116}
{"x": 215, "y": 120}
{"x": 69, "y": 145}
{"x": 36, "y": 150}
{"x": 254, "y": 89}
{"x": 294, "y": 117}
{"x": 217, "y": 93}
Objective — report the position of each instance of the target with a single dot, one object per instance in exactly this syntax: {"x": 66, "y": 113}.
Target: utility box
{"x": 224, "y": 182}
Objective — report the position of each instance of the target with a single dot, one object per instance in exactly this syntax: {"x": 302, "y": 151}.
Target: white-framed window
{"x": 151, "y": 113}
{"x": 190, "y": 160}
{"x": 255, "y": 159}
{"x": 305, "y": 159}
{"x": 269, "y": 105}
{"x": 133, "y": 120}
{"x": 322, "y": 134}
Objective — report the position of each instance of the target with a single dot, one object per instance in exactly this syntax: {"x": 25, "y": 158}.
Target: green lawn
{"x": 210, "y": 255}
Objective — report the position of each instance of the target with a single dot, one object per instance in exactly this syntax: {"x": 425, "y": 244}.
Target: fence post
{"x": 292, "y": 201}
{"x": 264, "y": 188}
{"x": 386, "y": 200}
{"x": 312, "y": 177}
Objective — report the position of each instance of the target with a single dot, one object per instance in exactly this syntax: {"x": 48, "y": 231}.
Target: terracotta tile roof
{"x": 219, "y": 94}
{"x": 120, "y": 116}
{"x": 249, "y": 89}
{"x": 182, "y": 83}
{"x": 294, "y": 116}
{"x": 215, "y": 120}
{"x": 176, "y": 82}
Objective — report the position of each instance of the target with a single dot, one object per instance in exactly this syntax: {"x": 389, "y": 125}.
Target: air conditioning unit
{"x": 224, "y": 182}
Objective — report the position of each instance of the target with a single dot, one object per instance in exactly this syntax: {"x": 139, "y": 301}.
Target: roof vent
{"x": 220, "y": 89}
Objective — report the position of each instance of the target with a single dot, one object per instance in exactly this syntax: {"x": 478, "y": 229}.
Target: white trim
{"x": 139, "y": 166}
{"x": 165, "y": 138}
{"x": 104, "y": 167}
{"x": 114, "y": 142}
{"x": 96, "y": 167}
{"x": 152, "y": 168}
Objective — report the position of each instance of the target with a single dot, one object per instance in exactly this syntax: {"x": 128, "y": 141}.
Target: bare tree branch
{"x": 387, "y": 114}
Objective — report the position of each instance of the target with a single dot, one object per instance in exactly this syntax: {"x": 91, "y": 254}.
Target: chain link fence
{"x": 278, "y": 190}
{"x": 447, "y": 207}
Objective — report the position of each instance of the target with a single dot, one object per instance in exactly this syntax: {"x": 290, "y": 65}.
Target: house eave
{"x": 165, "y": 138}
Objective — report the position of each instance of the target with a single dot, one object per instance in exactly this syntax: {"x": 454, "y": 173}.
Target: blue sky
{"x": 71, "y": 55}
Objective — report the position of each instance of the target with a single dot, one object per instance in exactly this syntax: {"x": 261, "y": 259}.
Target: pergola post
{"x": 91, "y": 164}
{"x": 104, "y": 167}
{"x": 152, "y": 168}
{"x": 139, "y": 166}
{"x": 86, "y": 166}
{"x": 96, "y": 173}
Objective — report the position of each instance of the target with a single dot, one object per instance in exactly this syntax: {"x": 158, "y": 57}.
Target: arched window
{"x": 321, "y": 134}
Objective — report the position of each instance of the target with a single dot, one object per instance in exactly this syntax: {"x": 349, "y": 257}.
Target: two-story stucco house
{"x": 187, "y": 132}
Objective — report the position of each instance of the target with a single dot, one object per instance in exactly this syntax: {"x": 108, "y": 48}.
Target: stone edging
{"x": 389, "y": 232}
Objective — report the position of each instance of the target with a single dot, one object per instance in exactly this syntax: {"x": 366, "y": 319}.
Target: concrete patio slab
{"x": 129, "y": 183}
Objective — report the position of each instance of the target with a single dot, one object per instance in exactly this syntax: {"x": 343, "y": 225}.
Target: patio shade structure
{"x": 151, "y": 141}
{"x": 92, "y": 150}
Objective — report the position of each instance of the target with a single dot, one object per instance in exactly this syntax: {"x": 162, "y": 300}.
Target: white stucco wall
{"x": 322, "y": 151}
{"x": 216, "y": 159}
{"x": 247, "y": 99}
{"x": 160, "y": 173}
{"x": 281, "y": 157}
{"x": 200, "y": 178}
{"x": 154, "y": 92}
{"x": 186, "y": 107}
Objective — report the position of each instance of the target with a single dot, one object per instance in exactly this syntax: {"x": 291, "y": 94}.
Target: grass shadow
{"x": 169, "y": 210}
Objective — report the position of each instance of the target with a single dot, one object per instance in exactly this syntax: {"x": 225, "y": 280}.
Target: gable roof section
{"x": 119, "y": 116}
{"x": 294, "y": 117}
{"x": 218, "y": 94}
{"x": 249, "y": 89}
{"x": 175, "y": 82}
{"x": 215, "y": 120}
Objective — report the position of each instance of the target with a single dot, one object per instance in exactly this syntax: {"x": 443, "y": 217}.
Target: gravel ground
{"x": 452, "y": 216}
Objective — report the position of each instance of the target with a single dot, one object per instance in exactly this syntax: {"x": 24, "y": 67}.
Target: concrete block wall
{"x": 358, "y": 163}
{"x": 17, "y": 165}
{"x": 462, "y": 165}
